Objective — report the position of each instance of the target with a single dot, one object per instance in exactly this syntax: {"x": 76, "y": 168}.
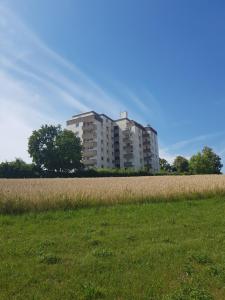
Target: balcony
{"x": 116, "y": 140}
{"x": 89, "y": 145}
{"x": 88, "y": 131}
{"x": 89, "y": 162}
{"x": 148, "y": 157}
{"x": 89, "y": 126}
{"x": 128, "y": 148}
{"x": 89, "y": 135}
{"x": 128, "y": 155}
{"x": 146, "y": 135}
{"x": 127, "y": 139}
{"x": 89, "y": 153}
{"x": 146, "y": 142}
{"x": 146, "y": 149}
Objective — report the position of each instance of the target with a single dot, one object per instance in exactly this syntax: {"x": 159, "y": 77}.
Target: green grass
{"x": 155, "y": 251}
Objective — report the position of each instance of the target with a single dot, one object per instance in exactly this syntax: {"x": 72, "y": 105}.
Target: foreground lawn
{"x": 150, "y": 251}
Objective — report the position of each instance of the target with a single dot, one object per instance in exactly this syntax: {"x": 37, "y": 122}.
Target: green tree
{"x": 17, "y": 169}
{"x": 205, "y": 162}
{"x": 55, "y": 150}
{"x": 164, "y": 165}
{"x": 68, "y": 151}
{"x": 181, "y": 164}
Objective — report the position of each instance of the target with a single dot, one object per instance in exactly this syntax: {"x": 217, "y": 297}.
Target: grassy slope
{"x": 149, "y": 251}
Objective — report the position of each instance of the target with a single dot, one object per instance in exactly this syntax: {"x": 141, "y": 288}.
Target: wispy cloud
{"x": 185, "y": 147}
{"x": 39, "y": 86}
{"x": 201, "y": 138}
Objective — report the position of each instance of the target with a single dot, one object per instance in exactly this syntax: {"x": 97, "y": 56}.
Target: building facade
{"x": 121, "y": 143}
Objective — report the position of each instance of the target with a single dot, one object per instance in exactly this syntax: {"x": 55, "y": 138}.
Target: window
{"x": 102, "y": 158}
{"x": 77, "y": 124}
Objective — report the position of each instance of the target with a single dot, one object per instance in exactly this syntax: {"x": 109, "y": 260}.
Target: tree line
{"x": 204, "y": 162}
{"x": 57, "y": 152}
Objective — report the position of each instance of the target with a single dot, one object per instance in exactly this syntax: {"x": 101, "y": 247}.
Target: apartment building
{"x": 121, "y": 143}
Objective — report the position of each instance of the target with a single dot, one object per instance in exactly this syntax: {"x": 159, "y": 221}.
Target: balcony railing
{"x": 89, "y": 125}
{"x": 89, "y": 153}
{"x": 148, "y": 157}
{"x": 128, "y": 155}
{"x": 89, "y": 162}
{"x": 127, "y": 139}
{"x": 89, "y": 135}
{"x": 146, "y": 149}
{"x": 89, "y": 145}
{"x": 146, "y": 135}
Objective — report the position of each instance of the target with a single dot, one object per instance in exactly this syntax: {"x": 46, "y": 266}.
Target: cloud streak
{"x": 170, "y": 152}
{"x": 39, "y": 86}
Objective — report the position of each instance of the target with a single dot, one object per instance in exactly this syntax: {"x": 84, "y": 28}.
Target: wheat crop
{"x": 21, "y": 195}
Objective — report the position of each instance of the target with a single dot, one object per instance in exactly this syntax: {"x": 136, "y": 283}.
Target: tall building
{"x": 121, "y": 143}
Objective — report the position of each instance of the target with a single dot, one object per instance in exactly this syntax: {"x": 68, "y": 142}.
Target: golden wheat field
{"x": 20, "y": 195}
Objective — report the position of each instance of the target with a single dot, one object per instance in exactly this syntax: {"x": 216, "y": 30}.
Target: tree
{"x": 205, "y": 162}
{"x": 164, "y": 165}
{"x": 55, "y": 150}
{"x": 68, "y": 151}
{"x": 17, "y": 169}
{"x": 181, "y": 164}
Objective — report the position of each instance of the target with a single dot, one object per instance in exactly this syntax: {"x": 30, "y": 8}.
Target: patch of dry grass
{"x": 21, "y": 195}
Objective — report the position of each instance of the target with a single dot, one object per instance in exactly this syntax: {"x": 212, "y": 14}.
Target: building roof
{"x": 88, "y": 112}
{"x": 117, "y": 120}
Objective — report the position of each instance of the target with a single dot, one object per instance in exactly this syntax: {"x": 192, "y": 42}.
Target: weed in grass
{"x": 46, "y": 244}
{"x": 188, "y": 292}
{"x": 167, "y": 240}
{"x": 50, "y": 259}
{"x": 172, "y": 221}
{"x": 102, "y": 253}
{"x": 104, "y": 224}
{"x": 131, "y": 238}
{"x": 91, "y": 292}
{"x": 188, "y": 269}
{"x": 95, "y": 243}
{"x": 201, "y": 258}
{"x": 217, "y": 271}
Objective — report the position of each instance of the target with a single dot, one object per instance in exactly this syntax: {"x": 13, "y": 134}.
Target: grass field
{"x": 25, "y": 195}
{"x": 173, "y": 250}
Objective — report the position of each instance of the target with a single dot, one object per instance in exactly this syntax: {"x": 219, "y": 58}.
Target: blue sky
{"x": 161, "y": 60}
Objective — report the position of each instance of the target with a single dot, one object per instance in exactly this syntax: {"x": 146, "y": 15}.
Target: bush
{"x": 112, "y": 173}
{"x": 18, "y": 169}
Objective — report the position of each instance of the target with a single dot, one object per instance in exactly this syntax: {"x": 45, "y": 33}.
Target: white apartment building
{"x": 121, "y": 143}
